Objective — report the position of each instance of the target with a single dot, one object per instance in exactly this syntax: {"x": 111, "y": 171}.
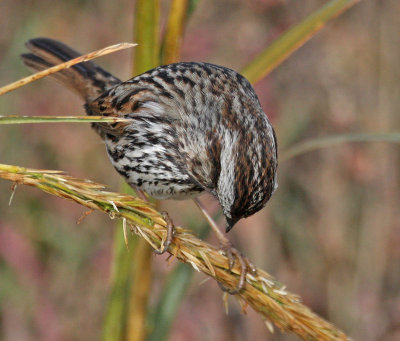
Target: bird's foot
{"x": 245, "y": 266}
{"x": 226, "y": 246}
{"x": 170, "y": 234}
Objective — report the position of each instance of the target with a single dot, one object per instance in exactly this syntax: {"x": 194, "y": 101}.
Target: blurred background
{"x": 331, "y": 232}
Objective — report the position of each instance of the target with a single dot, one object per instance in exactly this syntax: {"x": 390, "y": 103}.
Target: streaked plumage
{"x": 195, "y": 127}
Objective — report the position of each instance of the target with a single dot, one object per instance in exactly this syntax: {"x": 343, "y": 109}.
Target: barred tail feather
{"x": 87, "y": 79}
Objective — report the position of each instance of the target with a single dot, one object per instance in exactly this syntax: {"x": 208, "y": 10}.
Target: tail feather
{"x": 87, "y": 79}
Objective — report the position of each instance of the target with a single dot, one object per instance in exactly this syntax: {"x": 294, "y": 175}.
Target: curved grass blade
{"x": 292, "y": 39}
{"x": 330, "y": 141}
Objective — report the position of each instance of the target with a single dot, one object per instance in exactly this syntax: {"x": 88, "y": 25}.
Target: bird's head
{"x": 248, "y": 177}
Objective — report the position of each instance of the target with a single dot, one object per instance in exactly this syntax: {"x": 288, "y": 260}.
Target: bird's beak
{"x": 230, "y": 222}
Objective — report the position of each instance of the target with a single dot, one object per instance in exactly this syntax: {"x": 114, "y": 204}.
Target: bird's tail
{"x": 87, "y": 79}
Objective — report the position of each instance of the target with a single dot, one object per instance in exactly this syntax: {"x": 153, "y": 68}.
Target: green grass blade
{"x": 173, "y": 294}
{"x": 117, "y": 322}
{"x": 15, "y": 119}
{"x": 292, "y": 39}
{"x": 146, "y": 34}
{"x": 146, "y": 57}
{"x": 170, "y": 299}
{"x": 330, "y": 141}
{"x": 115, "y": 316}
{"x": 179, "y": 280}
{"x": 192, "y": 6}
{"x": 114, "y": 325}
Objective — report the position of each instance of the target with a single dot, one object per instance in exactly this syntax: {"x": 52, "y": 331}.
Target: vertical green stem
{"x": 139, "y": 292}
{"x": 178, "y": 280}
{"x": 173, "y": 36}
{"x": 146, "y": 34}
{"x": 114, "y": 320}
{"x": 171, "y": 297}
{"x": 127, "y": 307}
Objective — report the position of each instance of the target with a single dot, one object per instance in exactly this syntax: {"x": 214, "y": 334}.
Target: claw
{"x": 170, "y": 234}
{"x": 251, "y": 267}
{"x": 227, "y": 249}
{"x": 244, "y": 266}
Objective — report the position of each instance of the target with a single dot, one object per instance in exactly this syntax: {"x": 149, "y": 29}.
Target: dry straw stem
{"x": 18, "y": 119}
{"x": 263, "y": 293}
{"x": 66, "y": 65}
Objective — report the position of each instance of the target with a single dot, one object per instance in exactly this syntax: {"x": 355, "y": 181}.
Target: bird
{"x": 193, "y": 127}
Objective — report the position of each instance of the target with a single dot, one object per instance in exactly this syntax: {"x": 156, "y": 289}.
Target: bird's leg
{"x": 230, "y": 251}
{"x": 140, "y": 194}
{"x": 170, "y": 225}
